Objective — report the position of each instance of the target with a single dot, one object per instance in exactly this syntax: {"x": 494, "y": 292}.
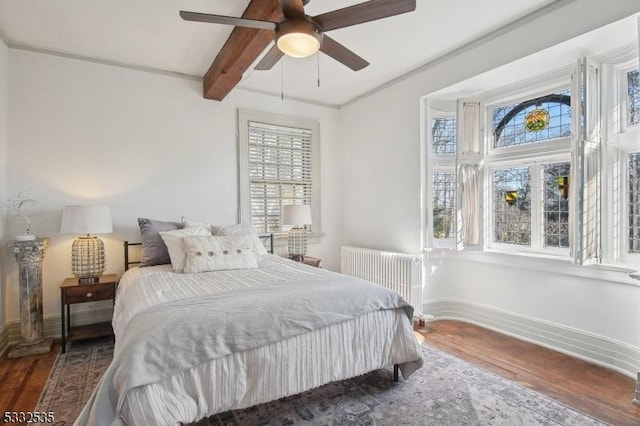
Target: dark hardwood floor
{"x": 600, "y": 392}
{"x": 594, "y": 390}
{"x": 22, "y": 381}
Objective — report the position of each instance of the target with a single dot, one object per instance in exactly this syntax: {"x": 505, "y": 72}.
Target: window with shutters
{"x": 622, "y": 165}
{"x": 546, "y": 167}
{"x": 528, "y": 171}
{"x": 277, "y": 167}
{"x": 442, "y": 183}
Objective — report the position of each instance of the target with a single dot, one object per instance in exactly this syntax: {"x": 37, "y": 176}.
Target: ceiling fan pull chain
{"x": 318, "y": 61}
{"x": 282, "y": 80}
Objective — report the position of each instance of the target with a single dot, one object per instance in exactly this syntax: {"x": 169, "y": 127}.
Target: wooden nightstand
{"x": 311, "y": 261}
{"x": 72, "y": 292}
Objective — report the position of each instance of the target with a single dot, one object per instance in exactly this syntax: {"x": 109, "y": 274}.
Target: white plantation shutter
{"x": 470, "y": 141}
{"x": 585, "y": 183}
{"x": 468, "y": 161}
{"x": 279, "y": 171}
{"x": 279, "y": 164}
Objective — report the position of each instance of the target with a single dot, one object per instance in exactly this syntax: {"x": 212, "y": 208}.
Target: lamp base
{"x": 297, "y": 244}
{"x": 88, "y": 280}
{"x": 87, "y": 259}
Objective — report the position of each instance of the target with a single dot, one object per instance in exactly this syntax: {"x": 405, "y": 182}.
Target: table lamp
{"x": 298, "y": 216}
{"x": 87, "y": 252}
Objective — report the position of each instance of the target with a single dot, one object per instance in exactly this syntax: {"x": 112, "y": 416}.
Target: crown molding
{"x": 95, "y": 60}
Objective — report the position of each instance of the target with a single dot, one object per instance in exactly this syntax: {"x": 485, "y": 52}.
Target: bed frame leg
{"x": 396, "y": 377}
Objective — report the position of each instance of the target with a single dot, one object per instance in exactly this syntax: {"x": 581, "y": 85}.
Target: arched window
{"x": 534, "y": 120}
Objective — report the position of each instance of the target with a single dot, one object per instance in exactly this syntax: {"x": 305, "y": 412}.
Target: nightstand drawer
{"x": 89, "y": 293}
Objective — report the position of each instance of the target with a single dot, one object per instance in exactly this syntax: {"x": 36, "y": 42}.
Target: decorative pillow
{"x": 173, "y": 241}
{"x": 216, "y": 253}
{"x": 244, "y": 229}
{"x": 188, "y": 223}
{"x": 154, "y": 251}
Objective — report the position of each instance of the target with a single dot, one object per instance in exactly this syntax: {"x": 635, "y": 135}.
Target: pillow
{"x": 246, "y": 229}
{"x": 188, "y": 223}
{"x": 154, "y": 251}
{"x": 217, "y": 253}
{"x": 173, "y": 241}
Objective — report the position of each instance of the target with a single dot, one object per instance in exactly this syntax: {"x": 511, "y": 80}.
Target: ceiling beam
{"x": 241, "y": 49}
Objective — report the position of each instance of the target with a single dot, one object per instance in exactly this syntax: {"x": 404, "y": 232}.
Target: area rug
{"x": 446, "y": 391}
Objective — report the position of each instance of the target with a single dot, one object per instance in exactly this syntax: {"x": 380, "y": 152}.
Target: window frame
{"x": 532, "y": 155}
{"x": 244, "y": 185}
{"x": 438, "y": 163}
{"x": 620, "y": 140}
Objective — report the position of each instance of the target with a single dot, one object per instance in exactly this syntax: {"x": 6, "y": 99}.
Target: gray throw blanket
{"x": 166, "y": 339}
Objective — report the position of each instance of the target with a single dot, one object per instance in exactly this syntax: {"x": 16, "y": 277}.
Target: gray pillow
{"x": 154, "y": 250}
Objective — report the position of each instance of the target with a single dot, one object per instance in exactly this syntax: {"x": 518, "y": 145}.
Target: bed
{"x": 189, "y": 345}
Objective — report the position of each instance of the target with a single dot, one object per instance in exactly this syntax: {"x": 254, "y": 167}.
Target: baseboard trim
{"x": 608, "y": 353}
{"x": 10, "y": 332}
{"x": 4, "y": 339}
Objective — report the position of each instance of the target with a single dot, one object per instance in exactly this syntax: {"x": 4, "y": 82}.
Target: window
{"x": 534, "y": 120}
{"x": 622, "y": 167}
{"x": 555, "y": 207}
{"x": 633, "y": 97}
{"x": 278, "y": 166}
{"x": 529, "y": 186}
{"x": 444, "y": 138}
{"x": 444, "y": 206}
{"x": 512, "y": 206}
{"x": 442, "y": 189}
{"x": 548, "y": 166}
{"x": 634, "y": 202}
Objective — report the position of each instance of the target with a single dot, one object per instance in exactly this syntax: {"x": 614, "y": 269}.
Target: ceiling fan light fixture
{"x": 298, "y": 39}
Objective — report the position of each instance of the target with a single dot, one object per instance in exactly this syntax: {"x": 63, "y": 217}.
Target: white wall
{"x": 4, "y": 123}
{"x": 382, "y": 196}
{"x": 146, "y": 144}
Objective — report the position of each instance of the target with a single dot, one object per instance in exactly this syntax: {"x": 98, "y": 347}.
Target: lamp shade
{"x": 90, "y": 219}
{"x": 296, "y": 215}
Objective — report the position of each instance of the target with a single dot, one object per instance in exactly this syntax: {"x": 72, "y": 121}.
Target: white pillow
{"x": 244, "y": 229}
{"x": 216, "y": 253}
{"x": 173, "y": 241}
{"x": 188, "y": 223}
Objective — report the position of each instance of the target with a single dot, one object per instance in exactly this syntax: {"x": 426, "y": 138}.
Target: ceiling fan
{"x": 300, "y": 35}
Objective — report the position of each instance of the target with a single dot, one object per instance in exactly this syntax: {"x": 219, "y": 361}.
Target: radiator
{"x": 397, "y": 271}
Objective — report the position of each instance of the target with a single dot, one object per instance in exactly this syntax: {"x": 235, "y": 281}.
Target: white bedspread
{"x": 249, "y": 309}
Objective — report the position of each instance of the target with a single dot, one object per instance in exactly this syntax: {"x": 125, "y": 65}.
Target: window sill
{"x": 535, "y": 262}
{"x": 280, "y": 238}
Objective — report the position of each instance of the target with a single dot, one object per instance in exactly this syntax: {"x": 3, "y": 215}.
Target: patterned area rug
{"x": 446, "y": 391}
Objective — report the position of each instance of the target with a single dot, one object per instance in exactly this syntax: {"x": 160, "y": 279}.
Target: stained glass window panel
{"x": 443, "y": 131}
{"x": 516, "y": 124}
{"x": 555, "y": 208}
{"x": 512, "y": 206}
{"x": 444, "y": 207}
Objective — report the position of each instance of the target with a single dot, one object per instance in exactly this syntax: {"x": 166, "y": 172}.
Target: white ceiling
{"x": 149, "y": 34}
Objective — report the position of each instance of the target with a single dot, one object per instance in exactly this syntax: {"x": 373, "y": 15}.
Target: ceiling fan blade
{"x": 270, "y": 59}
{"x": 292, "y": 9}
{"x": 363, "y": 12}
{"x": 229, "y": 20}
{"x": 342, "y": 54}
